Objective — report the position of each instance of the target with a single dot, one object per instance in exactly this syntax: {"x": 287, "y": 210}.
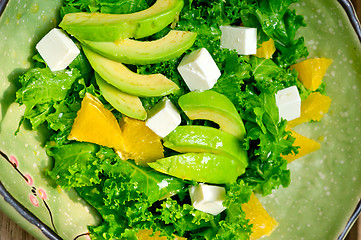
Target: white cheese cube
{"x": 57, "y": 49}
{"x": 163, "y": 118}
{"x": 241, "y": 39}
{"x": 288, "y": 101}
{"x": 208, "y": 198}
{"x": 198, "y": 70}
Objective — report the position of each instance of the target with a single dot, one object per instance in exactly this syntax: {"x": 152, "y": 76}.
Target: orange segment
{"x": 145, "y": 235}
{"x": 263, "y": 223}
{"x": 140, "y": 142}
{"x": 96, "y": 124}
{"x": 312, "y": 108}
{"x": 266, "y": 49}
{"x": 306, "y": 145}
{"x": 311, "y": 71}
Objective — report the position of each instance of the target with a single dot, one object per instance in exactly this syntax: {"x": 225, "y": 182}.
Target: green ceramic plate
{"x": 326, "y": 185}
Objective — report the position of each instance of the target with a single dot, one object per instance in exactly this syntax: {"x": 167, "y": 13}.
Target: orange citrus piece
{"x": 263, "y": 223}
{"x": 266, "y": 49}
{"x": 96, "y": 124}
{"x": 312, "y": 108}
{"x": 306, "y": 145}
{"x": 140, "y": 142}
{"x": 145, "y": 235}
{"x": 311, "y": 71}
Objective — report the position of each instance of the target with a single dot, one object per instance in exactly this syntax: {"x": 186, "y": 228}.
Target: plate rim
{"x": 25, "y": 213}
{"x": 352, "y": 15}
{"x": 355, "y": 22}
{"x": 3, "y": 4}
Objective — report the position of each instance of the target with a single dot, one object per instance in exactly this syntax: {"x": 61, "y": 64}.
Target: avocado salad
{"x": 139, "y": 59}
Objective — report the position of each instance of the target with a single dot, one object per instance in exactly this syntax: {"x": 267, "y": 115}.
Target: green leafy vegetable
{"x": 76, "y": 165}
{"x": 130, "y": 197}
{"x": 53, "y": 97}
{"x": 151, "y": 183}
{"x": 104, "y": 6}
{"x": 275, "y": 20}
{"x": 236, "y": 226}
{"x": 83, "y": 164}
{"x": 267, "y": 169}
{"x": 271, "y": 78}
{"x": 41, "y": 89}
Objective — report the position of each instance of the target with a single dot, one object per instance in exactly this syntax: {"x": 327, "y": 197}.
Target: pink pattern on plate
{"x": 14, "y": 161}
{"x": 29, "y": 179}
{"x": 34, "y": 200}
{"x": 42, "y": 194}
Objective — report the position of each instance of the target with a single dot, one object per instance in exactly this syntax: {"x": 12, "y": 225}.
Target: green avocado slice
{"x": 200, "y": 167}
{"x": 112, "y": 27}
{"x": 127, "y": 104}
{"x": 130, "y": 51}
{"x": 186, "y": 139}
{"x": 118, "y": 75}
{"x": 213, "y": 106}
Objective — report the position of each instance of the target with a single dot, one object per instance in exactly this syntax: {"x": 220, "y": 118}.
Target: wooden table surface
{"x": 10, "y": 231}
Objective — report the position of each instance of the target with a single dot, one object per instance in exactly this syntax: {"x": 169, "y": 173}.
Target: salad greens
{"x": 131, "y": 197}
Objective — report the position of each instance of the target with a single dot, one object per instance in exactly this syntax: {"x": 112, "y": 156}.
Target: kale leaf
{"x": 130, "y": 197}
{"x": 274, "y": 19}
{"x": 53, "y": 97}
{"x": 104, "y": 6}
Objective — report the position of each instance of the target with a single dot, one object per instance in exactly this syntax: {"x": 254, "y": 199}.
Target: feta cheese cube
{"x": 241, "y": 39}
{"x": 198, "y": 70}
{"x": 208, "y": 198}
{"x": 288, "y": 101}
{"x": 163, "y": 118}
{"x": 57, "y": 49}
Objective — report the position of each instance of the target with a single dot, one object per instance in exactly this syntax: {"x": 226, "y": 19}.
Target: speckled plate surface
{"x": 326, "y": 185}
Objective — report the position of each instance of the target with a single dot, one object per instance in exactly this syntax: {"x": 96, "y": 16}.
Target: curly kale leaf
{"x": 53, "y": 97}
{"x": 266, "y": 140}
{"x": 104, "y": 6}
{"x": 274, "y": 19}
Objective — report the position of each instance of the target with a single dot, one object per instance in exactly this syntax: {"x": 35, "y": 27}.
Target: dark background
{"x": 10, "y": 231}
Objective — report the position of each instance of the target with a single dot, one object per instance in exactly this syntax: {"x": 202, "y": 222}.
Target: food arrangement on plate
{"x": 173, "y": 118}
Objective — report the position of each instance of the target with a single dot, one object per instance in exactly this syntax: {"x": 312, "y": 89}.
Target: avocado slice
{"x": 127, "y": 104}
{"x": 185, "y": 139}
{"x": 130, "y": 51}
{"x": 112, "y": 27}
{"x": 200, "y": 167}
{"x": 213, "y": 106}
{"x": 118, "y": 75}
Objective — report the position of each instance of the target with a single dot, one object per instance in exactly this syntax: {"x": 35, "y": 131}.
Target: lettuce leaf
{"x": 104, "y": 6}
{"x": 130, "y": 197}
{"x": 80, "y": 164}
{"x": 235, "y": 225}
{"x": 76, "y": 164}
{"x": 57, "y": 85}
{"x": 271, "y": 78}
{"x": 153, "y": 184}
{"x": 41, "y": 89}
{"x": 274, "y": 19}
{"x": 53, "y": 97}
{"x": 266, "y": 140}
